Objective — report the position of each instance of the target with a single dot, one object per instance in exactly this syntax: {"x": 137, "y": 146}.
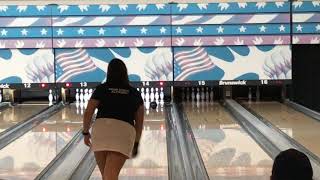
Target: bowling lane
{"x": 13, "y": 115}
{"x": 300, "y": 127}
{"x": 227, "y": 150}
{"x": 151, "y": 162}
{"x": 26, "y": 157}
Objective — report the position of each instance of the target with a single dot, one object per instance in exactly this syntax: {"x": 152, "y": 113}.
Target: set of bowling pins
{"x": 82, "y": 98}
{"x": 152, "y": 95}
{"x": 198, "y": 94}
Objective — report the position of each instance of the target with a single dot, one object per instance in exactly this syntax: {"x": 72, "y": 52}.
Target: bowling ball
{"x": 153, "y": 105}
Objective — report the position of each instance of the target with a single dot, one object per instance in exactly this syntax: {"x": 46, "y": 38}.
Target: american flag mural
{"x": 75, "y": 62}
{"x": 192, "y": 61}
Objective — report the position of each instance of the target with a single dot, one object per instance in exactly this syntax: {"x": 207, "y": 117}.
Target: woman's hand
{"x": 135, "y": 150}
{"x": 87, "y": 140}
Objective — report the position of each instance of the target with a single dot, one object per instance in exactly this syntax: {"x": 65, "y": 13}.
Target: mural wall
{"x": 306, "y": 22}
{"x": 181, "y": 42}
{"x": 232, "y": 63}
{"x": 26, "y": 66}
{"x": 144, "y": 64}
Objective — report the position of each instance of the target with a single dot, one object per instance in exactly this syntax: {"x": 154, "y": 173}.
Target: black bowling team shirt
{"x": 117, "y": 103}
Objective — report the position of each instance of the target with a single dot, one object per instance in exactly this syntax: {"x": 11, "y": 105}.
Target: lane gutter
{"x": 85, "y": 168}
{"x": 271, "y": 149}
{"x": 19, "y": 129}
{"x": 176, "y": 169}
{"x": 197, "y": 165}
{"x": 309, "y": 112}
{"x": 45, "y": 173}
{"x": 292, "y": 141}
{"x": 63, "y": 165}
{"x": 272, "y": 133}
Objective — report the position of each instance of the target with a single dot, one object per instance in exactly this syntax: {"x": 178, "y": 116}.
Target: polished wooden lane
{"x": 13, "y": 115}
{"x": 300, "y": 127}
{"x": 32, "y": 152}
{"x": 227, "y": 150}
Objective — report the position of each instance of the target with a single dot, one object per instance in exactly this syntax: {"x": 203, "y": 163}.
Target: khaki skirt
{"x": 113, "y": 135}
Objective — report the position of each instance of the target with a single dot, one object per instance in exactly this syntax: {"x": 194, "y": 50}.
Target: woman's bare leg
{"x": 114, "y": 163}
{"x": 101, "y": 157}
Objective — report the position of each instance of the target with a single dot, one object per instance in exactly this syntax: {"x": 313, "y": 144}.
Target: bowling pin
{"x": 147, "y": 104}
{"x": 50, "y": 97}
{"x": 77, "y": 95}
{"x": 86, "y": 97}
{"x": 207, "y": 94}
{"x": 161, "y": 98}
{"x": 198, "y": 95}
{"x": 161, "y": 94}
{"x": 138, "y": 89}
{"x": 90, "y": 93}
{"x": 0, "y": 96}
{"x": 81, "y": 107}
{"x": 158, "y": 104}
{"x": 211, "y": 94}
{"x": 77, "y": 106}
{"x": 156, "y": 96}
{"x": 85, "y": 104}
{"x": 147, "y": 95}
{"x": 192, "y": 94}
{"x": 81, "y": 97}
{"x": 198, "y": 105}
{"x": 161, "y": 103}
{"x": 152, "y": 95}
{"x": 86, "y": 94}
{"x": 142, "y": 94}
{"x": 202, "y": 94}
{"x": 192, "y": 104}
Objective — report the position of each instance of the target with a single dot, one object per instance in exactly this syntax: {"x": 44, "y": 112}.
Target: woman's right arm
{"x": 139, "y": 118}
{"x": 87, "y": 118}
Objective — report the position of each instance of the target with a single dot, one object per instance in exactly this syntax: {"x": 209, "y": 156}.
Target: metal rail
{"x": 196, "y": 165}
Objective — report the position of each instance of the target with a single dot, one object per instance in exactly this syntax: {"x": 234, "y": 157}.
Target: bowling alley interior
{"x": 226, "y": 86}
